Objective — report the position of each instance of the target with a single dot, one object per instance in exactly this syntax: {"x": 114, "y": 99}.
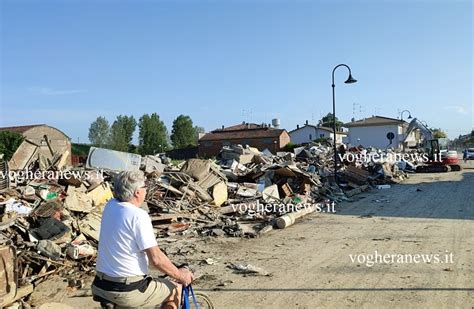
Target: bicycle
{"x": 195, "y": 300}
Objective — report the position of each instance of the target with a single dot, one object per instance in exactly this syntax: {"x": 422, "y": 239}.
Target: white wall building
{"x": 309, "y": 133}
{"x": 372, "y": 132}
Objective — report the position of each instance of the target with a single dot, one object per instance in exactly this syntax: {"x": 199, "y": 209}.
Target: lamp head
{"x": 350, "y": 80}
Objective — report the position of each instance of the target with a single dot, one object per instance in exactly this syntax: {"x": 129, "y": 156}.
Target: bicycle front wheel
{"x": 203, "y": 301}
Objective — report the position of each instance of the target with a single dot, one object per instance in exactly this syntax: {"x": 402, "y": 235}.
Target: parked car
{"x": 470, "y": 154}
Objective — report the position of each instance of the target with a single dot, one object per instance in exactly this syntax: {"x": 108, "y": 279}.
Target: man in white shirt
{"x": 126, "y": 245}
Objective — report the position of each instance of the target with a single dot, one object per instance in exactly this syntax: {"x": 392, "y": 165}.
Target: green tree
{"x": 99, "y": 132}
{"x": 290, "y": 146}
{"x": 118, "y": 140}
{"x": 121, "y": 133}
{"x": 9, "y": 143}
{"x": 198, "y": 130}
{"x": 183, "y": 133}
{"x": 328, "y": 120}
{"x": 153, "y": 135}
{"x": 322, "y": 140}
{"x": 438, "y": 133}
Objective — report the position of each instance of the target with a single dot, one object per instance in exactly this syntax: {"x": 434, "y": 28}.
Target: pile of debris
{"x": 49, "y": 226}
{"x": 247, "y": 192}
{"x": 373, "y": 167}
{"x": 54, "y": 222}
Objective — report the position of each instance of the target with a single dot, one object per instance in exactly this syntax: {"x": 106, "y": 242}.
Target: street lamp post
{"x": 409, "y": 114}
{"x": 350, "y": 80}
{"x": 409, "y": 117}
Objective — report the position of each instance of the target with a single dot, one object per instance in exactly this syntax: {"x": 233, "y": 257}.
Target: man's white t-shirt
{"x": 125, "y": 232}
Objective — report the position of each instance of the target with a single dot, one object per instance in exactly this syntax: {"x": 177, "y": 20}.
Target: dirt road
{"x": 310, "y": 262}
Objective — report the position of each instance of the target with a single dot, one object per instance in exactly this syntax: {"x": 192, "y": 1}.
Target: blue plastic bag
{"x": 188, "y": 290}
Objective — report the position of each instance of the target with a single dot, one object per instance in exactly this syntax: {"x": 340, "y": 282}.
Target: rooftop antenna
{"x": 357, "y": 112}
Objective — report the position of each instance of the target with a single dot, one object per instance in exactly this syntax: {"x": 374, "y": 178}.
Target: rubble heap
{"x": 54, "y": 223}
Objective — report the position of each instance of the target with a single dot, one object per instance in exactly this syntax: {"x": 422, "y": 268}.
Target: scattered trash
{"x": 12, "y": 205}
{"x": 225, "y": 283}
{"x": 249, "y": 269}
{"x": 49, "y": 248}
{"x": 209, "y": 261}
{"x": 100, "y": 158}
{"x": 81, "y": 250}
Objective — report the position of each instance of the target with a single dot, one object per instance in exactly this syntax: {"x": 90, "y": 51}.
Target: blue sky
{"x": 221, "y": 62}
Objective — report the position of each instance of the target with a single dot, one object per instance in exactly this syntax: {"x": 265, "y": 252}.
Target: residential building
{"x": 259, "y": 136}
{"x": 373, "y": 132}
{"x": 58, "y": 141}
{"x": 308, "y": 133}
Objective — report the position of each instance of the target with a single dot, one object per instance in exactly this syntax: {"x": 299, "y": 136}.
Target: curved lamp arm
{"x": 350, "y": 79}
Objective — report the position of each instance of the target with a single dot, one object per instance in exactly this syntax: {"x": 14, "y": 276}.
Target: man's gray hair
{"x": 126, "y": 183}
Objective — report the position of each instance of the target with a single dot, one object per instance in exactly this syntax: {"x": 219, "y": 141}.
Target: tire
{"x": 433, "y": 169}
{"x": 456, "y": 168}
{"x": 203, "y": 301}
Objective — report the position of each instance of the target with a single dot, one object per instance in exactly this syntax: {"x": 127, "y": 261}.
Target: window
{"x": 321, "y": 135}
{"x": 207, "y": 144}
{"x": 268, "y": 141}
{"x": 310, "y": 137}
{"x": 226, "y": 143}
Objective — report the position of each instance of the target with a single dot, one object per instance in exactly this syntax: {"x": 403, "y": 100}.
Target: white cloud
{"x": 458, "y": 109}
{"x": 64, "y": 114}
{"x": 49, "y": 91}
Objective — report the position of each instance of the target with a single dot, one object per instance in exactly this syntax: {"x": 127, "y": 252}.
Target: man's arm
{"x": 159, "y": 260}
